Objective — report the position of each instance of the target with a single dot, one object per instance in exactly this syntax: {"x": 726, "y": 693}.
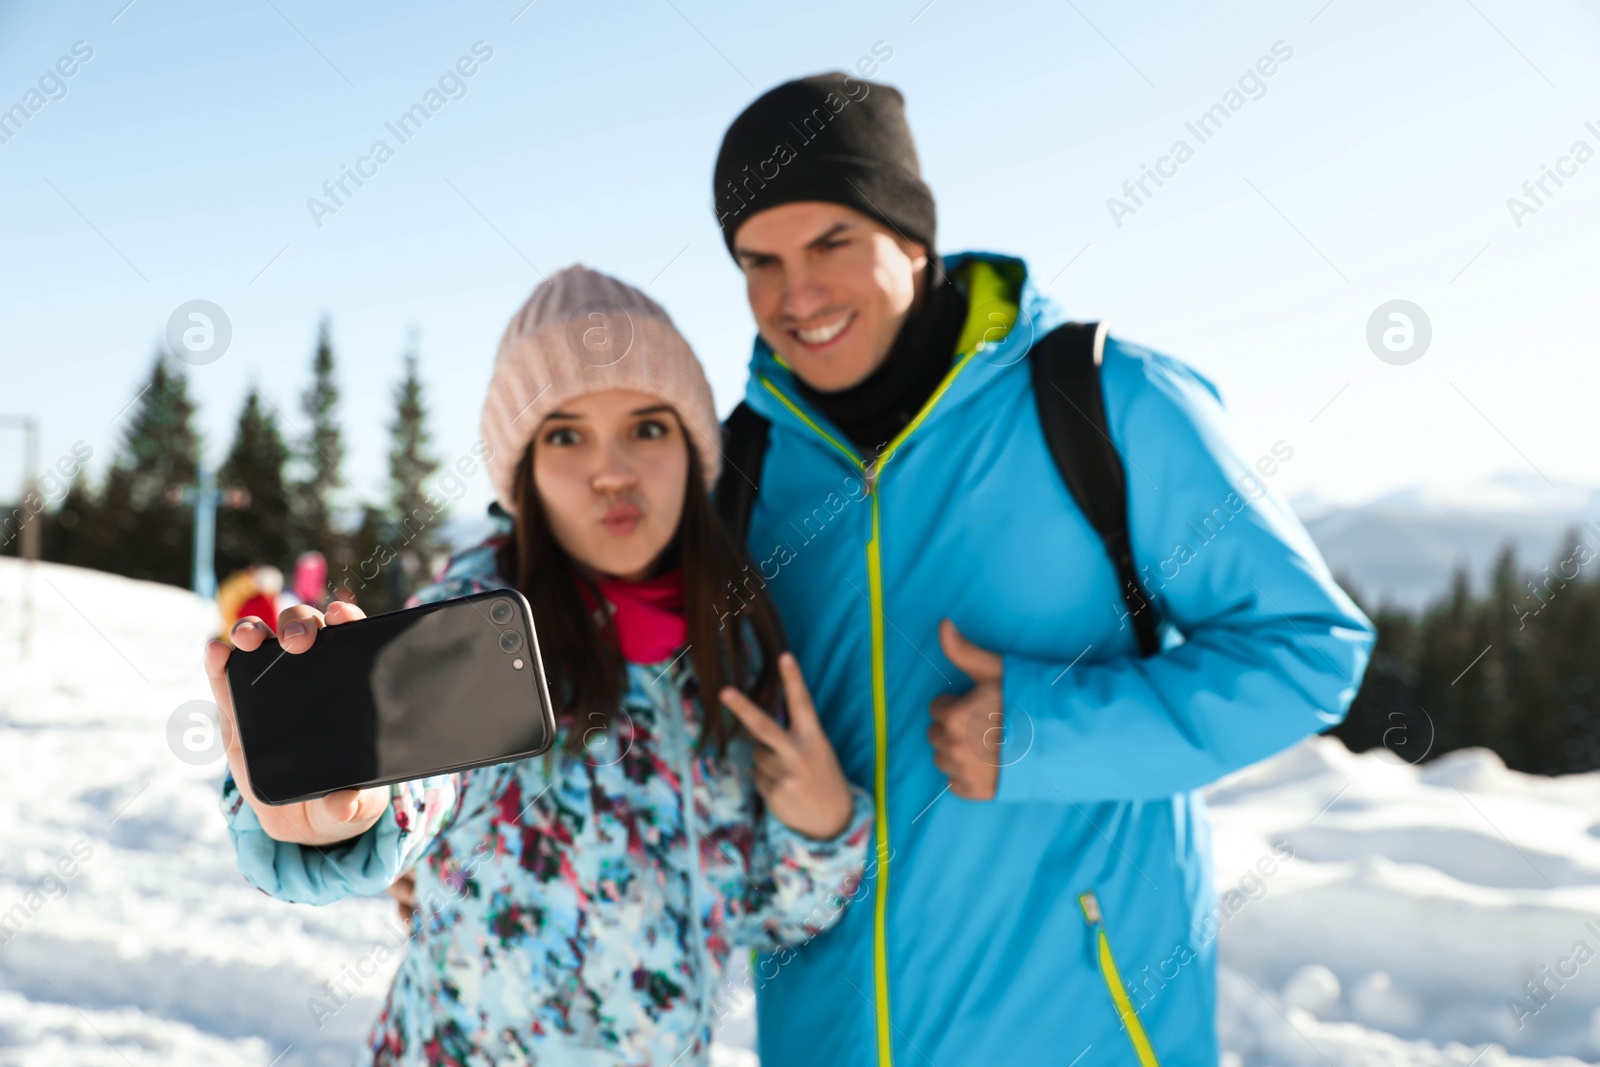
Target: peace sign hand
{"x": 796, "y": 770}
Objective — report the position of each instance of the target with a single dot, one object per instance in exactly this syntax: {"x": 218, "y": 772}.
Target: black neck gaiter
{"x": 873, "y": 410}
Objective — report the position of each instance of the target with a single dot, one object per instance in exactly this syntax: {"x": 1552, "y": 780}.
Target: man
{"x": 1042, "y": 891}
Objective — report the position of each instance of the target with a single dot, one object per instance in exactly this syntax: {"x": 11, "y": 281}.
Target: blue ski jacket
{"x": 1071, "y": 920}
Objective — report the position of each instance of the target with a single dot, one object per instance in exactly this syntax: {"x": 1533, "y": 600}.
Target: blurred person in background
{"x": 255, "y": 590}
{"x": 263, "y": 603}
{"x": 232, "y": 592}
{"x": 311, "y": 579}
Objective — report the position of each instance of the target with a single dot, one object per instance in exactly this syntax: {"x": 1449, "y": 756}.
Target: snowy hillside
{"x": 1414, "y": 906}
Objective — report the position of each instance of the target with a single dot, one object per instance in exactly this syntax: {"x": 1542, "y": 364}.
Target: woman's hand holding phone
{"x": 796, "y": 769}
{"x": 326, "y": 820}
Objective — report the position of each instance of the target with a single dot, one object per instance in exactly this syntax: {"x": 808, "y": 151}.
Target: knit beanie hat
{"x": 828, "y": 137}
{"x": 585, "y": 332}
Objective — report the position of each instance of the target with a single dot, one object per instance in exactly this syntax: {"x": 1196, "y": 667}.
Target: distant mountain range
{"x": 1402, "y": 550}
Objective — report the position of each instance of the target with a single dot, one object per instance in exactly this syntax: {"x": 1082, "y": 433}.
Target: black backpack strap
{"x": 1072, "y": 410}
{"x": 744, "y": 450}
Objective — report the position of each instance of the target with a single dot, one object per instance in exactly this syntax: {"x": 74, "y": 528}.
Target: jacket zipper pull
{"x": 1092, "y": 917}
{"x": 1091, "y": 908}
{"x": 1100, "y": 957}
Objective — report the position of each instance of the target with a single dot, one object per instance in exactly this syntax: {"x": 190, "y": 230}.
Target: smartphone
{"x": 407, "y": 694}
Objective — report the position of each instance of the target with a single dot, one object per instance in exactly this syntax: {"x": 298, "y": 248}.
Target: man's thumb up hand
{"x": 968, "y": 728}
{"x": 979, "y": 664}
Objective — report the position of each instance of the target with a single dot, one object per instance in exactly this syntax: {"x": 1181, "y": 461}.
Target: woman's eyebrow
{"x": 652, "y": 409}
{"x": 562, "y": 415}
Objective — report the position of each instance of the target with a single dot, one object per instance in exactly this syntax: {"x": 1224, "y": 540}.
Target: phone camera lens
{"x": 510, "y": 641}
{"x": 501, "y": 612}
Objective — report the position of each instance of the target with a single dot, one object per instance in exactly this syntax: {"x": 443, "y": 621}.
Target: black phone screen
{"x": 407, "y": 694}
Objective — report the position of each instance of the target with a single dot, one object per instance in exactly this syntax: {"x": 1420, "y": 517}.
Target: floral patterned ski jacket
{"x": 573, "y": 909}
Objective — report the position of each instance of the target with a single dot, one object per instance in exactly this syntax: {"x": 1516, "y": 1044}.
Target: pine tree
{"x": 320, "y": 453}
{"x": 160, "y": 454}
{"x": 117, "y": 521}
{"x": 1575, "y": 666}
{"x": 1560, "y": 686}
{"x": 160, "y": 448}
{"x": 410, "y": 466}
{"x": 74, "y": 531}
{"x": 261, "y": 531}
{"x": 1442, "y": 652}
{"x": 1510, "y": 676}
{"x": 1516, "y": 670}
{"x": 1385, "y": 712}
{"x": 367, "y": 578}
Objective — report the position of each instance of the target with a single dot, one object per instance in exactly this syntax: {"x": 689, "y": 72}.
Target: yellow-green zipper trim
{"x": 880, "y": 690}
{"x": 809, "y": 421}
{"x": 880, "y": 788}
{"x": 1113, "y": 979}
{"x": 982, "y": 279}
{"x": 873, "y": 472}
{"x": 880, "y": 722}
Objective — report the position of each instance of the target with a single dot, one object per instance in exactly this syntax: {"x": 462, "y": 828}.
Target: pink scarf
{"x": 648, "y": 615}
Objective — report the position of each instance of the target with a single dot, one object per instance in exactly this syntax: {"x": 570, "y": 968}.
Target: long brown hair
{"x": 581, "y": 655}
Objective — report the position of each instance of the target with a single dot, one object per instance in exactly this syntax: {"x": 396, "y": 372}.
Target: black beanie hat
{"x": 828, "y": 137}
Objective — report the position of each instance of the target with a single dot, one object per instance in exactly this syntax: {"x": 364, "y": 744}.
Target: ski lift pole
{"x": 29, "y": 549}
{"x": 205, "y": 537}
{"x": 204, "y": 497}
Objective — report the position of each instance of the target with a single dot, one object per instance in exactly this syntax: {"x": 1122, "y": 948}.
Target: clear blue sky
{"x": 1376, "y": 164}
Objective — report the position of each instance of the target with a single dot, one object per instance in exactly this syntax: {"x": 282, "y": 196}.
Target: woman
{"x": 579, "y": 907}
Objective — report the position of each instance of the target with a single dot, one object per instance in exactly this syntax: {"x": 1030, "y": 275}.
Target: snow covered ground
{"x": 1414, "y": 906}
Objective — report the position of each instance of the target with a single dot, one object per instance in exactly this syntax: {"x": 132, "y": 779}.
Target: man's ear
{"x": 916, "y": 251}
